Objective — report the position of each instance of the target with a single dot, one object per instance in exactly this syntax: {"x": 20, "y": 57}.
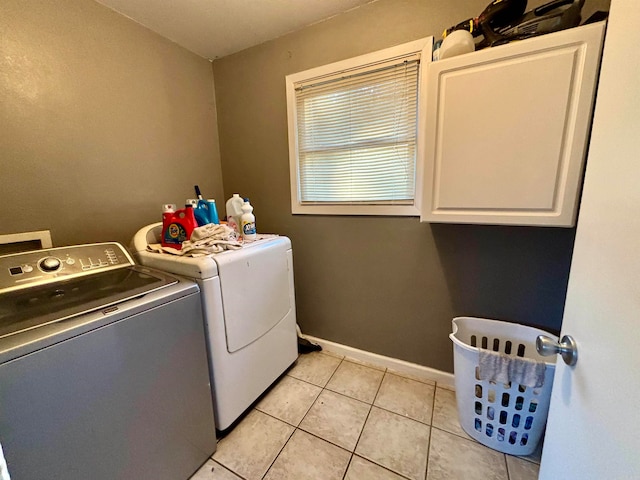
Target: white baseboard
{"x": 419, "y": 371}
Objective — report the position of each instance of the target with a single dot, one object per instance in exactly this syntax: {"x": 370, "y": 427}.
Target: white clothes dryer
{"x": 249, "y": 311}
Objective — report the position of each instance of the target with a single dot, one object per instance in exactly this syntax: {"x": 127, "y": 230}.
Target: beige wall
{"x": 101, "y": 122}
{"x": 389, "y": 285}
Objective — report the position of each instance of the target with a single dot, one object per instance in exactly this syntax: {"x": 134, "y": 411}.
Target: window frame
{"x": 423, "y": 47}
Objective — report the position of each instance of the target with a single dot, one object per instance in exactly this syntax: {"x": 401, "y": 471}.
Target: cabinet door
{"x": 507, "y": 130}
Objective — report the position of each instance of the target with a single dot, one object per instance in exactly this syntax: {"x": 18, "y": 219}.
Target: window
{"x": 354, "y": 145}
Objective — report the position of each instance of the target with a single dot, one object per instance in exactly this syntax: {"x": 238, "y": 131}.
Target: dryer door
{"x": 255, "y": 291}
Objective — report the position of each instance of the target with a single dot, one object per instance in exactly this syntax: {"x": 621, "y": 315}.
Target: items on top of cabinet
{"x": 497, "y": 14}
{"x": 458, "y": 43}
{"x": 506, "y": 130}
{"x": 504, "y": 21}
{"x": 551, "y": 17}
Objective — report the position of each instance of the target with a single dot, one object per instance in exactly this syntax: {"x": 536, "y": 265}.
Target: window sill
{"x": 386, "y": 210}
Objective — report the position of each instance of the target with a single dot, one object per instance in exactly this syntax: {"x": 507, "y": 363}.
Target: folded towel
{"x": 501, "y": 368}
{"x": 204, "y": 240}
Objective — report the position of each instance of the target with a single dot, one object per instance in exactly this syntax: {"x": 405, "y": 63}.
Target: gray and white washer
{"x": 103, "y": 368}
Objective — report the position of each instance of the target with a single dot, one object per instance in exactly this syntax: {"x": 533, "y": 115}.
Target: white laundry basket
{"x": 507, "y": 417}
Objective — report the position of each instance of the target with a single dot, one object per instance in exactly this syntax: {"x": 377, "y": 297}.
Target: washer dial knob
{"x": 49, "y": 264}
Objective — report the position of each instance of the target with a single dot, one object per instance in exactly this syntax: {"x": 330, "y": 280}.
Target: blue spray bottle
{"x": 205, "y": 210}
{"x": 213, "y": 211}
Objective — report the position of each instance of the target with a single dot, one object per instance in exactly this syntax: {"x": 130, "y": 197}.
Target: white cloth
{"x": 501, "y": 368}
{"x": 204, "y": 240}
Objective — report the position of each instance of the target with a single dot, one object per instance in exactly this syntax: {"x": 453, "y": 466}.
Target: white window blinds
{"x": 356, "y": 135}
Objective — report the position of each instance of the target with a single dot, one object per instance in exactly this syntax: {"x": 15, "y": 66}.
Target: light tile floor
{"x": 332, "y": 417}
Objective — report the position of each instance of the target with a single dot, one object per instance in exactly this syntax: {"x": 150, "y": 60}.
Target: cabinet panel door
{"x": 506, "y": 130}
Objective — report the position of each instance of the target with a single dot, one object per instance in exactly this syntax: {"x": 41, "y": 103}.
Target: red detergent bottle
{"x": 177, "y": 225}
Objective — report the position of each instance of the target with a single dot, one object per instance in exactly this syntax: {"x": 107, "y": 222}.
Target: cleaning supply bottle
{"x": 202, "y": 209}
{"x": 177, "y": 225}
{"x": 234, "y": 212}
{"x": 201, "y": 213}
{"x": 248, "y": 221}
{"x": 168, "y": 209}
{"x": 213, "y": 211}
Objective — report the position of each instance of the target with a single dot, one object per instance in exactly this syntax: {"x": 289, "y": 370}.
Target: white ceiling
{"x": 215, "y": 28}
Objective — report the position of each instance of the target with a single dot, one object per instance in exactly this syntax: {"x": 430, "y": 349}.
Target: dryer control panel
{"x": 21, "y": 270}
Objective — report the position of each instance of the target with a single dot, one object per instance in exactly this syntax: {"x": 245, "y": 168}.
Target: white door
{"x": 594, "y": 421}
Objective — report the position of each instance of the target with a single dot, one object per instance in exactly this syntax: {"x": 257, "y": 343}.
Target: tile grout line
{"x": 288, "y": 373}
{"x": 348, "y": 465}
{"x": 279, "y": 419}
{"x": 295, "y": 428}
{"x": 433, "y": 409}
{"x": 323, "y": 439}
{"x": 346, "y": 396}
{"x": 365, "y": 422}
{"x": 460, "y": 436}
{"x": 426, "y": 468}
{"x": 526, "y": 459}
{"x": 382, "y": 466}
{"x": 394, "y": 373}
{"x": 222, "y": 464}
{"x": 279, "y": 453}
{"x": 276, "y": 457}
{"x": 308, "y": 409}
{"x": 333, "y": 373}
{"x": 306, "y": 381}
{"x": 386, "y": 410}
{"x": 386, "y": 370}
{"x": 506, "y": 466}
{"x": 230, "y": 469}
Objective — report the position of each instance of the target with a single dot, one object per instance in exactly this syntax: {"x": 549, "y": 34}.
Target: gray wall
{"x": 101, "y": 122}
{"x": 389, "y": 285}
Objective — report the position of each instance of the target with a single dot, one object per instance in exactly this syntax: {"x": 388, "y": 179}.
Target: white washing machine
{"x": 249, "y": 310}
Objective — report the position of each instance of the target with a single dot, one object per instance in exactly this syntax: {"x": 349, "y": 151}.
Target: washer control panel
{"x": 27, "y": 269}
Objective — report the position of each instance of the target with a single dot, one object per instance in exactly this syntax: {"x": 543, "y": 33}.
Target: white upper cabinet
{"x": 507, "y": 130}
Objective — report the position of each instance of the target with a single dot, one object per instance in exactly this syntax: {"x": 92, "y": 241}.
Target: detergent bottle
{"x": 213, "y": 211}
{"x": 199, "y": 211}
{"x": 248, "y": 221}
{"x": 204, "y": 210}
{"x": 177, "y": 225}
{"x": 234, "y": 212}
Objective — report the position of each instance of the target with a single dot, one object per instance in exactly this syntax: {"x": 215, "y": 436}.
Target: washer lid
{"x": 30, "y": 308}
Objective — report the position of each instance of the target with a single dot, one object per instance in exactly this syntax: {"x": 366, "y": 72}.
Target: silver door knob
{"x": 567, "y": 348}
